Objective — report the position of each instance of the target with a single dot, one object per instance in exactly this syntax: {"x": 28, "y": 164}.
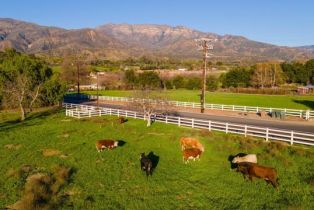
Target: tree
{"x": 22, "y": 78}
{"x": 309, "y": 67}
{"x": 53, "y": 91}
{"x": 130, "y": 78}
{"x": 149, "y": 103}
{"x": 212, "y": 83}
{"x": 74, "y": 71}
{"x": 193, "y": 83}
{"x": 267, "y": 75}
{"x": 237, "y": 77}
{"x": 178, "y": 82}
{"x": 149, "y": 80}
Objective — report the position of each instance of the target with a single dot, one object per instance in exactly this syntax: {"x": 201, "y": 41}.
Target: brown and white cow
{"x": 188, "y": 142}
{"x": 106, "y": 144}
{"x": 191, "y": 153}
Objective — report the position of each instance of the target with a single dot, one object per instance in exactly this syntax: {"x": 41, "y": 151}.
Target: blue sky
{"x": 282, "y": 22}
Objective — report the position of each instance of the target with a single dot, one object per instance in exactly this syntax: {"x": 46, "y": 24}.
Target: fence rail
{"x": 306, "y": 114}
{"x": 292, "y": 137}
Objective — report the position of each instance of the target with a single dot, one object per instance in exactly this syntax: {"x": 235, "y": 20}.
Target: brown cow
{"x": 121, "y": 120}
{"x": 191, "y": 153}
{"x": 251, "y": 170}
{"x": 103, "y": 144}
{"x": 187, "y": 142}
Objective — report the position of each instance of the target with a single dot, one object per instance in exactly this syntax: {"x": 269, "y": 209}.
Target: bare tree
{"x": 267, "y": 75}
{"x": 74, "y": 71}
{"x": 149, "y": 103}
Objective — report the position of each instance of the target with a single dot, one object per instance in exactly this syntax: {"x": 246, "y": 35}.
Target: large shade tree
{"x": 22, "y": 78}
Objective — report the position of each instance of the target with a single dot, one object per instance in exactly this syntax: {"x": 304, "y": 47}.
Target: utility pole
{"x": 78, "y": 78}
{"x": 204, "y": 45}
{"x": 97, "y": 91}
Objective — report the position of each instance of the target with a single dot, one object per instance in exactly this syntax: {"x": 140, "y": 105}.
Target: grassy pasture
{"x": 113, "y": 180}
{"x": 277, "y": 101}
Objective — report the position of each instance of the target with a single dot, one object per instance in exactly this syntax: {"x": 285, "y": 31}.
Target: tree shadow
{"x": 154, "y": 158}
{"x": 308, "y": 103}
{"x": 230, "y": 158}
{"x": 10, "y": 124}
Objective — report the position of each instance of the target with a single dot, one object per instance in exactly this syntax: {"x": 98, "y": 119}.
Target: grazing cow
{"x": 251, "y": 170}
{"x": 191, "y": 153}
{"x": 146, "y": 164}
{"x": 121, "y": 120}
{"x": 187, "y": 142}
{"x": 103, "y": 144}
{"x": 250, "y": 158}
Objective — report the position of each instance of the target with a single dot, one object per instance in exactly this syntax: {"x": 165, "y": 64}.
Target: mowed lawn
{"x": 276, "y": 101}
{"x": 113, "y": 179}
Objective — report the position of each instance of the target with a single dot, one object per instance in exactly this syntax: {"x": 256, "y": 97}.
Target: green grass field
{"x": 277, "y": 101}
{"x": 113, "y": 179}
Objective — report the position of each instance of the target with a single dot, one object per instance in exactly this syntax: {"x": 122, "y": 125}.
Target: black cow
{"x": 146, "y": 164}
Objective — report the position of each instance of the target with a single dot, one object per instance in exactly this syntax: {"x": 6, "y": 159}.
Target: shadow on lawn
{"x": 230, "y": 158}
{"x": 10, "y": 124}
{"x": 308, "y": 103}
{"x": 121, "y": 143}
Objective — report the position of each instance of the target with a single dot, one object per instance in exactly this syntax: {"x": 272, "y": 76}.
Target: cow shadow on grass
{"x": 231, "y": 157}
{"x": 154, "y": 158}
{"x": 121, "y": 143}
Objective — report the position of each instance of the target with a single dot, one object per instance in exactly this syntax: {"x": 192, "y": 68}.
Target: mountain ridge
{"x": 118, "y": 41}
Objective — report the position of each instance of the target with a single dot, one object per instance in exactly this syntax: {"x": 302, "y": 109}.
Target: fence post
{"x": 291, "y": 139}
{"x": 99, "y": 112}
{"x": 192, "y": 122}
{"x": 232, "y": 107}
{"x": 307, "y": 117}
{"x": 301, "y": 114}
{"x": 126, "y": 114}
{"x": 226, "y": 127}
{"x": 267, "y": 134}
{"x": 222, "y": 107}
{"x": 118, "y": 112}
{"x": 179, "y": 121}
{"x": 193, "y": 105}
{"x": 166, "y": 119}
{"x": 90, "y": 113}
{"x": 209, "y": 125}
{"x": 245, "y": 108}
{"x": 245, "y": 130}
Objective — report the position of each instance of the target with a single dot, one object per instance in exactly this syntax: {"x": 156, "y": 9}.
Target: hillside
{"x": 125, "y": 40}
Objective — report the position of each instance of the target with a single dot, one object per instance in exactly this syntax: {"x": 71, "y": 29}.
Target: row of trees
{"x": 26, "y": 81}
{"x": 151, "y": 80}
{"x": 146, "y": 63}
{"x": 269, "y": 75}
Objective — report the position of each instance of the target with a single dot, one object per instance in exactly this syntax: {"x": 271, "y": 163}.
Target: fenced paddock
{"x": 305, "y": 114}
{"x": 292, "y": 137}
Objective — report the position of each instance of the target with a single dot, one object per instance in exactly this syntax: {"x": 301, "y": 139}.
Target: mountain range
{"x": 119, "y": 41}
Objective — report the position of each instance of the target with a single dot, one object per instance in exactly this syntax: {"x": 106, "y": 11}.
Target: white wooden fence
{"x": 82, "y": 111}
{"x": 306, "y": 114}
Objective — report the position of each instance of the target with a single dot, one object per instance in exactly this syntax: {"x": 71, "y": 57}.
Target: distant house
{"x": 308, "y": 89}
{"x": 182, "y": 69}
